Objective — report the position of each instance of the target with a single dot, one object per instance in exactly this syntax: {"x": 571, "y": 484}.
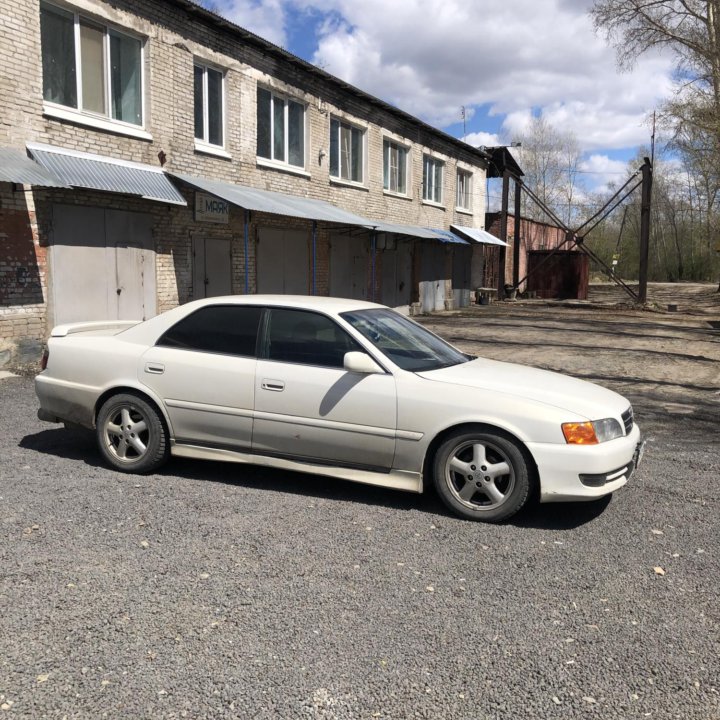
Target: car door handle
{"x": 154, "y": 368}
{"x": 274, "y": 385}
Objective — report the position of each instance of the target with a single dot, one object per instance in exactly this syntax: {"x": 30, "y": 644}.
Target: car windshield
{"x": 409, "y": 345}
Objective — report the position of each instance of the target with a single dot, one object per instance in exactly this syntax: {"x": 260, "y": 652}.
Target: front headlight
{"x": 592, "y": 433}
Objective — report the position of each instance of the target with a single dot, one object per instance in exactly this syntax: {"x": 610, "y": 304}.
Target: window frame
{"x": 88, "y": 117}
{"x": 343, "y": 123}
{"x": 431, "y": 187}
{"x": 286, "y": 100}
{"x": 468, "y": 177}
{"x": 203, "y": 144}
{"x": 259, "y": 332}
{"x": 388, "y": 144}
{"x": 266, "y": 328}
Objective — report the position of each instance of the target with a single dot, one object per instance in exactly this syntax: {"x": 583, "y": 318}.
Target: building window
{"x": 395, "y": 159}
{"x": 280, "y": 129}
{"x": 90, "y": 67}
{"x": 432, "y": 179}
{"x": 209, "y": 116}
{"x": 464, "y": 190}
{"x": 346, "y": 151}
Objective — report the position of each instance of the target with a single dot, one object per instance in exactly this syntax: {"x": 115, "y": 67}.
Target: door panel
{"x": 131, "y": 292}
{"x": 102, "y": 265}
{"x": 209, "y": 397}
{"x": 212, "y": 267}
{"x": 282, "y": 261}
{"x": 79, "y": 265}
{"x": 327, "y": 414}
{"x": 349, "y": 262}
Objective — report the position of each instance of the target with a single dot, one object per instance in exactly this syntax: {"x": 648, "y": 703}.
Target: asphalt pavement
{"x": 221, "y": 591}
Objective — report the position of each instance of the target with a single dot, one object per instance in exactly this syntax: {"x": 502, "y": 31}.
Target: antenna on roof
{"x": 462, "y": 116}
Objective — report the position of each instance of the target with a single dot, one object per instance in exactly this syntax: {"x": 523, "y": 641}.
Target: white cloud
{"x": 483, "y": 139}
{"x": 265, "y": 18}
{"x": 430, "y": 57}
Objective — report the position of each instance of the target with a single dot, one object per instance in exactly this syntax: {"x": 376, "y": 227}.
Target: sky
{"x": 502, "y": 60}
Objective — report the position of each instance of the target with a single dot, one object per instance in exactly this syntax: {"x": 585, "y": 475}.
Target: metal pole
{"x": 503, "y": 234}
{"x": 247, "y": 259}
{"x": 314, "y": 256}
{"x": 645, "y": 229}
{"x": 516, "y": 237}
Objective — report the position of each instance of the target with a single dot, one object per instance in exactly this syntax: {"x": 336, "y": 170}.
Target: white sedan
{"x": 340, "y": 388}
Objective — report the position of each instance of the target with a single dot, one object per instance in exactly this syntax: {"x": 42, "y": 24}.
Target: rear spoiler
{"x": 70, "y": 328}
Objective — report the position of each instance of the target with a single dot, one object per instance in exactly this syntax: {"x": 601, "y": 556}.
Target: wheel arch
{"x": 131, "y": 390}
{"x": 438, "y": 440}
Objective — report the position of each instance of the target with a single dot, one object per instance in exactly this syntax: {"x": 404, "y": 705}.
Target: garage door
{"x": 102, "y": 265}
{"x": 349, "y": 263}
{"x": 282, "y": 261}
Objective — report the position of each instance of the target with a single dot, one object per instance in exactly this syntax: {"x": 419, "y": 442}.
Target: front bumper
{"x": 576, "y": 472}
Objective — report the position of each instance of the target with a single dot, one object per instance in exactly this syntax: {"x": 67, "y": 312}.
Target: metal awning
{"x": 447, "y": 236}
{"x": 479, "y": 236}
{"x": 97, "y": 172}
{"x": 17, "y": 167}
{"x": 419, "y": 232}
{"x": 274, "y": 202}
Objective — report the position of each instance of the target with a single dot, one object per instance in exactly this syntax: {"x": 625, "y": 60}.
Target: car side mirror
{"x": 360, "y": 362}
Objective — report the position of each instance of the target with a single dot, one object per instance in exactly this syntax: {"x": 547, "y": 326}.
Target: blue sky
{"x": 504, "y": 60}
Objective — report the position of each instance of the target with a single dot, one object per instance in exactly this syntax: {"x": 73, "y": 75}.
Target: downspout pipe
{"x": 314, "y": 257}
{"x": 247, "y": 259}
{"x": 373, "y": 255}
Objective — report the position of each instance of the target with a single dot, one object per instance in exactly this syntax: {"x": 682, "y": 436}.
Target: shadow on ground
{"x": 80, "y": 445}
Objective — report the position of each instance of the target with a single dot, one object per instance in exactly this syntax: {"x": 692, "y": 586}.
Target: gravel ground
{"x": 216, "y": 591}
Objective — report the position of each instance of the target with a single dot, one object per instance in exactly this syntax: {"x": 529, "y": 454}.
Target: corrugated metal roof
{"x": 419, "y": 232}
{"x": 275, "y": 202}
{"x": 479, "y": 236}
{"x": 98, "y": 172}
{"x": 17, "y": 167}
{"x": 411, "y": 230}
{"x": 447, "y": 236}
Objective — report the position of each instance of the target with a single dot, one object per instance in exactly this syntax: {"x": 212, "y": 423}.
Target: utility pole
{"x": 516, "y": 238}
{"x": 645, "y": 229}
{"x": 503, "y": 234}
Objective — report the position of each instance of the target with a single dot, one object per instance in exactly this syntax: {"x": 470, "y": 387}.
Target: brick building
{"x": 152, "y": 153}
{"x": 535, "y": 237}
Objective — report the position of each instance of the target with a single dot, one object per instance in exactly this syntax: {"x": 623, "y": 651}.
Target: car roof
{"x": 310, "y": 302}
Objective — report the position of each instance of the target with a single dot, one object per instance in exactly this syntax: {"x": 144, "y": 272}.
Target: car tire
{"x": 482, "y": 475}
{"x": 131, "y": 434}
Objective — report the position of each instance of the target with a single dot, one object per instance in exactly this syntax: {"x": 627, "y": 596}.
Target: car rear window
{"x": 227, "y": 329}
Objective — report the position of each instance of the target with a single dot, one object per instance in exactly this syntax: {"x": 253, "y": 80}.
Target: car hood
{"x": 561, "y": 391}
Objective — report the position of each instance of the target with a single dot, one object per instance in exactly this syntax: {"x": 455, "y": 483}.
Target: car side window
{"x": 226, "y": 329}
{"x": 307, "y": 338}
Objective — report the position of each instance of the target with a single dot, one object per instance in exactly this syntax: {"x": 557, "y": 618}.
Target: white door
{"x": 204, "y": 370}
{"x": 308, "y": 407}
{"x": 102, "y": 265}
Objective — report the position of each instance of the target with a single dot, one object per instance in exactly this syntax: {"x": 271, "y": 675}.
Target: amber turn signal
{"x": 579, "y": 433}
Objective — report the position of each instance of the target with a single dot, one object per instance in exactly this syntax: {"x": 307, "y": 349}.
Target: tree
{"x": 550, "y": 160}
{"x": 690, "y": 29}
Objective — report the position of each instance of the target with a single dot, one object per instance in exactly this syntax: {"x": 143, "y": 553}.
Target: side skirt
{"x": 396, "y": 479}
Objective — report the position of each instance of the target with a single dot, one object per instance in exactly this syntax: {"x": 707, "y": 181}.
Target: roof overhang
{"x": 275, "y": 203}
{"x": 417, "y": 231}
{"x": 476, "y": 235}
{"x": 17, "y": 167}
{"x": 97, "y": 172}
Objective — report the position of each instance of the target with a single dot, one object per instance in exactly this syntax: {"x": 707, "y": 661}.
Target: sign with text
{"x": 209, "y": 208}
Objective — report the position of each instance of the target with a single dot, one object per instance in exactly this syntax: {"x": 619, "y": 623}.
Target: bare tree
{"x": 550, "y": 160}
{"x": 690, "y": 29}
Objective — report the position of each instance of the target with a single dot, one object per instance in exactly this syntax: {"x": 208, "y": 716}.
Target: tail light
{"x": 44, "y": 359}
